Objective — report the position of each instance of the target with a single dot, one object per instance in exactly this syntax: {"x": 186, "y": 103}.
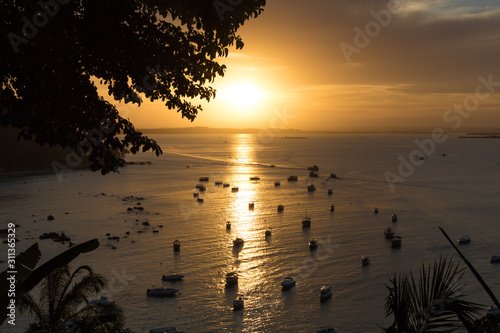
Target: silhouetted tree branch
{"x": 53, "y": 52}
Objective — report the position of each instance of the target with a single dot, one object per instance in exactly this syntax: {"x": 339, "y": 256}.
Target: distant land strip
{"x": 281, "y": 132}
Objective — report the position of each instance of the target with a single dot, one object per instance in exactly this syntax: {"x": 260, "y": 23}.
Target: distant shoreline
{"x": 300, "y": 133}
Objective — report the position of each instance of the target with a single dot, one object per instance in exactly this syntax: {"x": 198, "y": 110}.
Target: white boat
{"x": 325, "y": 292}
{"x": 313, "y": 244}
{"x": 464, "y": 240}
{"x": 238, "y": 241}
{"x": 311, "y": 188}
{"x": 396, "y": 241}
{"x": 365, "y": 261}
{"x": 277, "y": 183}
{"x": 238, "y": 303}
{"x": 281, "y": 208}
{"x": 495, "y": 258}
{"x": 172, "y": 277}
{"x": 231, "y": 278}
{"x": 161, "y": 292}
{"x": 235, "y": 189}
{"x": 268, "y": 232}
{"x": 306, "y": 222}
{"x": 394, "y": 218}
{"x": 177, "y": 245}
{"x": 288, "y": 282}
{"x": 388, "y": 232}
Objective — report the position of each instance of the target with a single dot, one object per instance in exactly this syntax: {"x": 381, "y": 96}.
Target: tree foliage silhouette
{"x": 55, "y": 51}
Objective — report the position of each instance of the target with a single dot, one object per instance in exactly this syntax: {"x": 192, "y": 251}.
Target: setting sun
{"x": 241, "y": 95}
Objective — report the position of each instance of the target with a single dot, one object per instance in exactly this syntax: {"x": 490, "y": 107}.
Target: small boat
{"x": 204, "y": 179}
{"x": 306, "y": 222}
{"x": 492, "y": 311}
{"x": 464, "y": 240}
{"x": 254, "y": 178}
{"x": 495, "y": 258}
{"x": 327, "y": 330}
{"x": 202, "y": 188}
{"x": 103, "y": 300}
{"x": 375, "y": 210}
{"x": 277, "y": 183}
{"x": 288, "y": 282}
{"x": 228, "y": 225}
{"x": 313, "y": 168}
{"x": 365, "y": 261}
{"x": 225, "y": 185}
{"x": 330, "y": 191}
{"x": 251, "y": 205}
{"x": 292, "y": 178}
{"x": 325, "y": 293}
{"x": 177, "y": 245}
{"x": 172, "y": 277}
{"x": 238, "y": 241}
{"x": 394, "y": 218}
{"x": 311, "y": 188}
{"x": 396, "y": 241}
{"x": 161, "y": 292}
{"x": 281, "y": 208}
{"x": 195, "y": 194}
{"x": 238, "y": 303}
{"x": 218, "y": 182}
{"x": 313, "y": 244}
{"x": 332, "y": 208}
{"x": 313, "y": 174}
{"x": 231, "y": 278}
{"x": 388, "y": 232}
{"x": 200, "y": 200}
{"x": 268, "y": 232}
{"x": 235, "y": 189}
{"x": 198, "y": 186}
{"x": 333, "y": 175}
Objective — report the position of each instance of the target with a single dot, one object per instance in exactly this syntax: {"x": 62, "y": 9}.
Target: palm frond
{"x": 28, "y": 305}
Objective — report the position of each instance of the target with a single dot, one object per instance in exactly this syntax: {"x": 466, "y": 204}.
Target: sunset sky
{"x": 316, "y": 66}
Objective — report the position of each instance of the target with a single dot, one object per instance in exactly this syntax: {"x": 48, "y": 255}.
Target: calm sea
{"x": 456, "y": 187}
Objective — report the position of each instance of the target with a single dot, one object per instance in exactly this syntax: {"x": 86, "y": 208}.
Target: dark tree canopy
{"x": 53, "y": 50}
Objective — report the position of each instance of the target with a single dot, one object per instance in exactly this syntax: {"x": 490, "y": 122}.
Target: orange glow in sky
{"x": 324, "y": 66}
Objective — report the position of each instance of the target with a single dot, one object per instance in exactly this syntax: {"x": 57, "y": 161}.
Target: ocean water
{"x": 459, "y": 191}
